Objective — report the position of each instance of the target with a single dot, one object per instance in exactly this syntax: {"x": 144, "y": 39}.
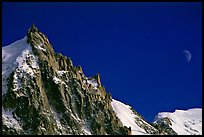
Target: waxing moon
{"x": 187, "y": 55}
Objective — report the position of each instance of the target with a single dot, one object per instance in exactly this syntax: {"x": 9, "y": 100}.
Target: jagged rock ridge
{"x": 45, "y": 94}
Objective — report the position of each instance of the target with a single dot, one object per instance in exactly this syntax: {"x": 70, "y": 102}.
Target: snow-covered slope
{"x": 9, "y": 56}
{"x": 184, "y": 122}
{"x": 130, "y": 119}
{"x": 14, "y": 57}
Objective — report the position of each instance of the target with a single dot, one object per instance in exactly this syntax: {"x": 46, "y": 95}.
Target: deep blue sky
{"x": 136, "y": 47}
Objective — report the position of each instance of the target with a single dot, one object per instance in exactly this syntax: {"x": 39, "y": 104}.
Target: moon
{"x": 187, "y": 55}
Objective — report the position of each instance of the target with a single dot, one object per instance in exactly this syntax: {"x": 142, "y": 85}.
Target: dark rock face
{"x": 163, "y": 126}
{"x": 58, "y": 98}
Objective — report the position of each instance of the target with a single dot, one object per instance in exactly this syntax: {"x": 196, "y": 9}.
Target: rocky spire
{"x": 37, "y": 38}
{"x": 97, "y": 78}
{"x": 41, "y": 46}
{"x": 30, "y": 32}
{"x": 33, "y": 29}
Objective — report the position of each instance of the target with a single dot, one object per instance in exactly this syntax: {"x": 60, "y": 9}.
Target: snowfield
{"x": 184, "y": 122}
{"x": 9, "y": 55}
{"x": 9, "y": 121}
{"x": 19, "y": 56}
{"x": 127, "y": 117}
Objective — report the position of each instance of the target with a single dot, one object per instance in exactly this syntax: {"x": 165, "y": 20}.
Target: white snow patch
{"x": 75, "y": 117}
{"x": 80, "y": 71}
{"x": 84, "y": 81}
{"x": 92, "y": 82}
{"x": 23, "y": 65}
{"x": 39, "y": 47}
{"x": 86, "y": 129}
{"x": 60, "y": 81}
{"x": 57, "y": 119}
{"x": 9, "y": 121}
{"x": 127, "y": 117}
{"x": 57, "y": 80}
{"x": 184, "y": 122}
{"x": 60, "y": 73}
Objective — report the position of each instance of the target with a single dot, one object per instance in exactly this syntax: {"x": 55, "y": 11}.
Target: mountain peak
{"x": 31, "y": 32}
{"x": 183, "y": 122}
{"x": 33, "y": 29}
{"x": 51, "y": 96}
{"x": 38, "y": 41}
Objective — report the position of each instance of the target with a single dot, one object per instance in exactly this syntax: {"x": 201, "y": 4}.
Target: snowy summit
{"x": 184, "y": 122}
